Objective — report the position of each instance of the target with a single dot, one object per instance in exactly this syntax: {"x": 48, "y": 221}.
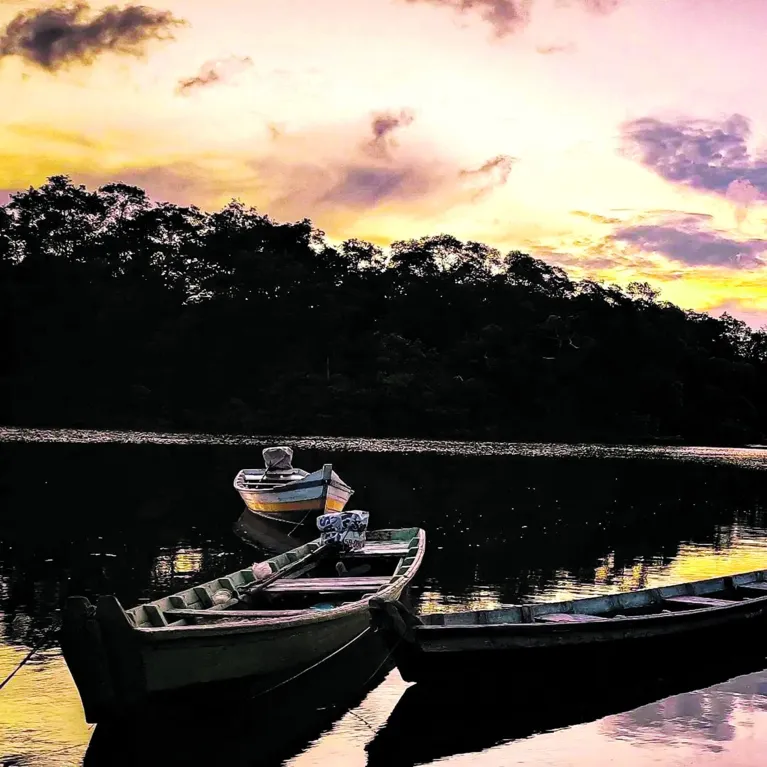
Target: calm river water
{"x": 140, "y": 515}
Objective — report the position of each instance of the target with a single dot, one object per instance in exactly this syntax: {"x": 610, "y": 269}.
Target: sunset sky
{"x": 621, "y": 139}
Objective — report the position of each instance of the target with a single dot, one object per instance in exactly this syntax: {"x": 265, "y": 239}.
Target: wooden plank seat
{"x": 371, "y": 583}
{"x": 568, "y": 618}
{"x": 243, "y": 614}
{"x": 700, "y": 602}
{"x": 381, "y": 549}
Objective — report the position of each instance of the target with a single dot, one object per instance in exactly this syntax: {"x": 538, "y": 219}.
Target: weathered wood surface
{"x": 249, "y": 614}
{"x": 568, "y": 618}
{"x": 700, "y": 602}
{"x": 381, "y": 549}
{"x": 302, "y": 565}
{"x": 329, "y": 584}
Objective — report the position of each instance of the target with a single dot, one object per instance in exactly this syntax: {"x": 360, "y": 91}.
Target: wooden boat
{"x": 267, "y": 622}
{"x": 286, "y": 494}
{"x": 634, "y": 627}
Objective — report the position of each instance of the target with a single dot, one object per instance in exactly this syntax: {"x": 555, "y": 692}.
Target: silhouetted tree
{"x": 121, "y": 312}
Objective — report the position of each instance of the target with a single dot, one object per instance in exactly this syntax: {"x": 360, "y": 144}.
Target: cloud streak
{"x": 508, "y": 17}
{"x": 684, "y": 239}
{"x": 216, "y": 71}
{"x": 60, "y": 36}
{"x": 491, "y": 175}
{"x": 505, "y": 16}
{"x": 337, "y": 175}
{"x": 595, "y": 217}
{"x": 550, "y": 50}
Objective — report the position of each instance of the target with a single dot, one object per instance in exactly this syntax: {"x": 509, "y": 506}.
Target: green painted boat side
{"x": 119, "y": 657}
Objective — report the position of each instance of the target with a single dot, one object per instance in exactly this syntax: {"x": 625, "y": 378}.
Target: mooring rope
{"x": 39, "y": 646}
{"x": 327, "y": 658}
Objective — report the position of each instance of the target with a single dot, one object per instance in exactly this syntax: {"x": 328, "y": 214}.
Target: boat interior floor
{"x": 329, "y": 581}
{"x": 608, "y": 607}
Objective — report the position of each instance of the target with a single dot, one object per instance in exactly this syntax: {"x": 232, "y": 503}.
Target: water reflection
{"x": 501, "y": 529}
{"x": 705, "y": 717}
{"x": 542, "y": 724}
{"x": 240, "y": 728}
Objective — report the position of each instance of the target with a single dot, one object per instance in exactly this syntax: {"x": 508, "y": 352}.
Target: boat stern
{"x": 102, "y": 655}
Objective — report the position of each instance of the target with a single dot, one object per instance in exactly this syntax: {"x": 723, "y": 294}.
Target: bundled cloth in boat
{"x": 278, "y": 458}
{"x": 345, "y": 527}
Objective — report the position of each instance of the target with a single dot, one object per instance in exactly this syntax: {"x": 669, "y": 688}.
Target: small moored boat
{"x": 286, "y": 494}
{"x": 270, "y": 621}
{"x": 640, "y": 627}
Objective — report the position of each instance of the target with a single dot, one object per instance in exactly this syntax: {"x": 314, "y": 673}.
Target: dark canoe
{"x": 314, "y": 602}
{"x": 642, "y": 627}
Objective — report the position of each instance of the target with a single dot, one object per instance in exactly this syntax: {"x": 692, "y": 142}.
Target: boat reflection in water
{"x": 429, "y": 723}
{"x": 235, "y": 727}
{"x": 270, "y": 537}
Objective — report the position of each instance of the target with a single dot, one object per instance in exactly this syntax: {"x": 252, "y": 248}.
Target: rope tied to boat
{"x": 47, "y": 635}
{"x": 327, "y": 658}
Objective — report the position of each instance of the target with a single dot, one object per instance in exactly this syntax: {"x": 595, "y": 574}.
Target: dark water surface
{"x": 140, "y": 515}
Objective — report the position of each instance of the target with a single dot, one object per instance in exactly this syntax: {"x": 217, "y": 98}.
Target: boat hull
{"x": 652, "y": 653}
{"x": 294, "y": 505}
{"x": 121, "y": 669}
{"x": 433, "y": 653}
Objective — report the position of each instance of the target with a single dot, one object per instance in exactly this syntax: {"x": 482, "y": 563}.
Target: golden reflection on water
{"x": 478, "y": 599}
{"x": 41, "y": 719}
{"x": 176, "y": 563}
{"x": 747, "y": 551}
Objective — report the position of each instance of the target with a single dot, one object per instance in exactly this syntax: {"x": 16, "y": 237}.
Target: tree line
{"x": 119, "y": 312}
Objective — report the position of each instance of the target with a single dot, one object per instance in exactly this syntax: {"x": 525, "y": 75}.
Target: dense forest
{"x": 120, "y": 312}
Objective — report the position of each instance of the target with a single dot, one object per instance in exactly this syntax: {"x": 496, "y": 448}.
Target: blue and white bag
{"x": 345, "y": 527}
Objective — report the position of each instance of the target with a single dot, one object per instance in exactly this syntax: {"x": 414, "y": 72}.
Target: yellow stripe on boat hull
{"x": 331, "y": 504}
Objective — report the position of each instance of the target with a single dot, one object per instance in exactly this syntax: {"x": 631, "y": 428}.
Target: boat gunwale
{"x": 397, "y": 583}
{"x": 293, "y": 484}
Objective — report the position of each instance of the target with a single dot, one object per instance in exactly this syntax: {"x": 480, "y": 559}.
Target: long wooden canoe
{"x": 306, "y": 604}
{"x": 638, "y": 627}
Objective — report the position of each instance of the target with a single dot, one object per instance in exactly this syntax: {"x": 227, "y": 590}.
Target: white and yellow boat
{"x": 286, "y": 494}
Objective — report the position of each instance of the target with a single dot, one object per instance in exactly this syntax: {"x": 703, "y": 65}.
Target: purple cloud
{"x": 705, "y": 155}
{"x": 53, "y": 38}
{"x": 367, "y": 187}
{"x": 685, "y": 241}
